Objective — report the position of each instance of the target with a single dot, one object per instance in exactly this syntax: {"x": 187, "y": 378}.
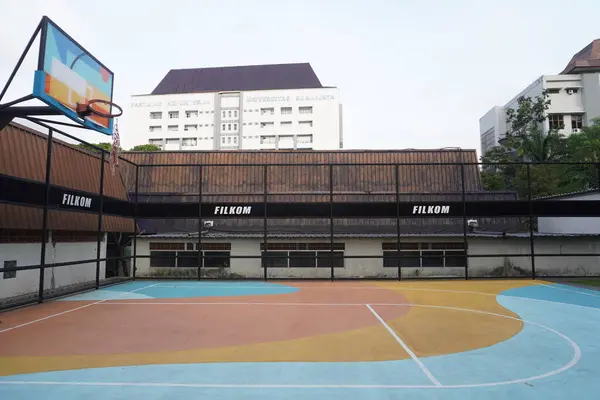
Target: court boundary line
{"x": 73, "y": 309}
{"x": 405, "y": 347}
{"x": 574, "y": 360}
{"x": 555, "y": 287}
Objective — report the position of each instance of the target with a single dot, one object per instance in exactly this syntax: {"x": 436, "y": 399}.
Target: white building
{"x": 574, "y": 96}
{"x": 248, "y": 107}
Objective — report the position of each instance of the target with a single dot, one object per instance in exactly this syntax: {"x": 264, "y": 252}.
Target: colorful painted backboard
{"x": 68, "y": 75}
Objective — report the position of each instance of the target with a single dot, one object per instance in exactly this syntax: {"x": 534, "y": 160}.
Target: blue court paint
{"x": 531, "y": 352}
{"x": 558, "y": 293}
{"x": 181, "y": 290}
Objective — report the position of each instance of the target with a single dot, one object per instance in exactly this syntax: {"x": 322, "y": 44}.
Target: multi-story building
{"x": 248, "y": 107}
{"x": 574, "y": 96}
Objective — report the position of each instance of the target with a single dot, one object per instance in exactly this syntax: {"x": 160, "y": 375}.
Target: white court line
{"x": 73, "y": 309}
{"x": 569, "y": 290}
{"x": 405, "y": 347}
{"x": 570, "y": 364}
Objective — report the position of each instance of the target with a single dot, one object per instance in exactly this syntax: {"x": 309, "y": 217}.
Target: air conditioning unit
{"x": 570, "y": 91}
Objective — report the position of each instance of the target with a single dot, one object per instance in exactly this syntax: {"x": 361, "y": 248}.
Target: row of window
{"x": 230, "y": 113}
{"x": 233, "y": 140}
{"x": 314, "y": 255}
{"x": 557, "y": 121}
{"x": 228, "y": 126}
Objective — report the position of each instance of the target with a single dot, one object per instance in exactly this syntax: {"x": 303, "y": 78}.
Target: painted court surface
{"x": 341, "y": 340}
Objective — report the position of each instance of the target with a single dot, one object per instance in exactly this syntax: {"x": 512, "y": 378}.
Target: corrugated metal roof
{"x": 239, "y": 78}
{"x": 366, "y": 182}
{"x": 23, "y": 155}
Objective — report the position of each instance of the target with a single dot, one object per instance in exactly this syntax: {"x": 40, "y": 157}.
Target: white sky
{"x": 411, "y": 73}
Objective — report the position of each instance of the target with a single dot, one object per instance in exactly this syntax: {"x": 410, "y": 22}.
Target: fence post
{"x": 135, "y": 221}
{"x": 464, "y": 216}
{"x": 99, "y": 239}
{"x": 397, "y": 173}
{"x": 45, "y": 216}
{"x": 331, "y": 238}
{"x": 199, "y": 244}
{"x": 531, "y": 242}
{"x": 264, "y": 261}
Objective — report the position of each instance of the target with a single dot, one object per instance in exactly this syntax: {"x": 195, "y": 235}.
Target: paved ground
{"x": 442, "y": 340}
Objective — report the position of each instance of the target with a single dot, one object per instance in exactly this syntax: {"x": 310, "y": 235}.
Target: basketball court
{"x": 185, "y": 339}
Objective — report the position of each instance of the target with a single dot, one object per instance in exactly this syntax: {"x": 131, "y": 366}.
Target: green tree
{"x": 145, "y": 147}
{"x": 106, "y": 146}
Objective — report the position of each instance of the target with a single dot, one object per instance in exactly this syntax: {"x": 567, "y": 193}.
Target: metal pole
{"x": 45, "y": 217}
{"x": 200, "y": 252}
{"x": 265, "y": 221}
{"x": 135, "y": 212}
{"x": 397, "y": 173}
{"x": 331, "y": 239}
{"x": 531, "y": 242}
{"x": 14, "y": 72}
{"x": 464, "y": 216}
{"x": 99, "y": 240}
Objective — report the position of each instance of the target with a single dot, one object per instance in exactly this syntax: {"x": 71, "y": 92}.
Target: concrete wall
{"x": 373, "y": 267}
{"x": 29, "y": 254}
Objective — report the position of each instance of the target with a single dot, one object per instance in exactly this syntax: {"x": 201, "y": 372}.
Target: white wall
{"x": 571, "y": 224}
{"x": 373, "y": 267}
{"x": 325, "y": 118}
{"x": 29, "y": 254}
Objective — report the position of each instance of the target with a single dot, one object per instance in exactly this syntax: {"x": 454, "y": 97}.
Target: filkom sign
{"x": 73, "y": 200}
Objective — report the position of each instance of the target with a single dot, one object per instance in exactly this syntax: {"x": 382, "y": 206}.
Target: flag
{"x": 114, "y": 153}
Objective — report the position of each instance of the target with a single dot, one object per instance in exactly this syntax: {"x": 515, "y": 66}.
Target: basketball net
{"x": 114, "y": 151}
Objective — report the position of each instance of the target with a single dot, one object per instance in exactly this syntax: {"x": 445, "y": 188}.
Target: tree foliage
{"x": 529, "y": 161}
{"x": 145, "y": 147}
{"x": 106, "y": 146}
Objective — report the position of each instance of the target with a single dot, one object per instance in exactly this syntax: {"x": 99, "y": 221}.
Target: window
{"x": 556, "y": 121}
{"x": 191, "y": 114}
{"x": 303, "y": 255}
{"x": 576, "y": 121}
{"x": 305, "y": 110}
{"x": 553, "y": 91}
{"x": 235, "y": 113}
{"x": 190, "y": 128}
{"x": 235, "y": 127}
{"x": 304, "y": 139}
{"x": 183, "y": 255}
{"x": 229, "y": 113}
{"x": 156, "y": 115}
{"x": 228, "y": 127}
{"x": 267, "y": 111}
{"x": 286, "y": 110}
{"x": 189, "y": 142}
{"x": 156, "y": 142}
{"x": 286, "y": 123}
{"x": 155, "y": 128}
{"x": 306, "y": 124}
{"x": 223, "y": 127}
{"x": 172, "y": 144}
{"x": 424, "y": 255}
{"x": 173, "y": 114}
{"x": 267, "y": 124}
{"x": 173, "y": 128}
{"x": 268, "y": 139}
{"x": 10, "y": 274}
{"x": 224, "y": 114}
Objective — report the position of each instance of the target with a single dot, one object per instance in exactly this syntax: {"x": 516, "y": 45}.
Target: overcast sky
{"x": 411, "y": 73}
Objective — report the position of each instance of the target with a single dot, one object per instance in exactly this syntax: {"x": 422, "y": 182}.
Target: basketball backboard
{"x": 69, "y": 77}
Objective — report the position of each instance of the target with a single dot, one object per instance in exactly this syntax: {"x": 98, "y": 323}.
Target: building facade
{"x": 239, "y": 108}
{"x": 574, "y": 96}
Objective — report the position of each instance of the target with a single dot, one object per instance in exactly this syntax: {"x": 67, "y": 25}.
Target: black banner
{"x": 17, "y": 191}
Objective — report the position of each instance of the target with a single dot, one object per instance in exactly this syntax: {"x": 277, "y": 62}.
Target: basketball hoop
{"x": 86, "y": 109}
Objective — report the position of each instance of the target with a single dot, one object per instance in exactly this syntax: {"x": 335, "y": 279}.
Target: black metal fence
{"x": 339, "y": 219}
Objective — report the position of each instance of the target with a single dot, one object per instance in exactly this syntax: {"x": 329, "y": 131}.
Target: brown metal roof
{"x": 586, "y": 60}
{"x": 358, "y": 182}
{"x": 23, "y": 155}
